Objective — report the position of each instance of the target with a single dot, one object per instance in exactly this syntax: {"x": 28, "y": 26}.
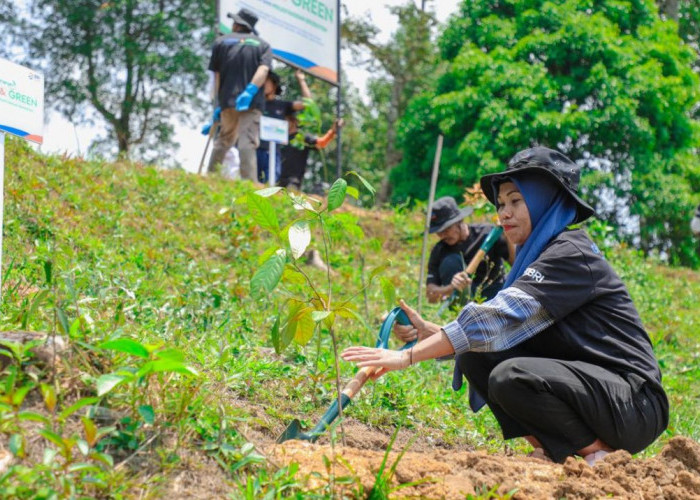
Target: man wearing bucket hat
{"x": 567, "y": 363}
{"x": 459, "y": 242}
{"x": 279, "y": 109}
{"x": 240, "y": 62}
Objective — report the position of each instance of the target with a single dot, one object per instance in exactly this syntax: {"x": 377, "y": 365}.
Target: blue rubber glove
{"x": 206, "y": 128}
{"x": 244, "y": 99}
{"x": 217, "y": 115}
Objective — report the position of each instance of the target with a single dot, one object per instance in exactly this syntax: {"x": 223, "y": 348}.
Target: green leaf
{"x": 63, "y": 320}
{"x": 389, "y": 292}
{"x": 318, "y": 316}
{"x": 269, "y": 191}
{"x": 32, "y": 416}
{"x": 147, "y": 413}
{"x": 336, "y": 194}
{"x": 20, "y": 394}
{"x": 275, "y": 334}
{"x": 126, "y": 346}
{"x": 299, "y": 238}
{"x": 53, "y": 437}
{"x": 289, "y": 328}
{"x": 83, "y": 446}
{"x": 305, "y": 327}
{"x": 301, "y": 202}
{"x": 171, "y": 353}
{"x": 352, "y": 191}
{"x": 109, "y": 381}
{"x": 379, "y": 269}
{"x": 83, "y": 467}
{"x": 346, "y": 312}
{"x": 102, "y": 457}
{"x": 16, "y": 445}
{"x": 90, "y": 430}
{"x": 38, "y": 299}
{"x": 81, "y": 403}
{"x": 364, "y": 182}
{"x": 170, "y": 365}
{"x": 262, "y": 212}
{"x": 266, "y": 278}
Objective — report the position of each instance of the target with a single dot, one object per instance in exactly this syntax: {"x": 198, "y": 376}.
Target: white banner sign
{"x": 274, "y": 130}
{"x": 21, "y": 101}
{"x": 303, "y": 33}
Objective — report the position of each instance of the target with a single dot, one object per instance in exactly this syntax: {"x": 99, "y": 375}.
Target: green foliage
{"x": 401, "y": 68}
{"x": 135, "y": 65}
{"x": 609, "y": 83}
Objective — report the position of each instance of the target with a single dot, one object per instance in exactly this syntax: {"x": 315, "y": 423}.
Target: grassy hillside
{"x": 147, "y": 274}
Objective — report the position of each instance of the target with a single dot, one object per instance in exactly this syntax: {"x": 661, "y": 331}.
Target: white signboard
{"x": 274, "y": 130}
{"x": 303, "y": 33}
{"x": 21, "y": 101}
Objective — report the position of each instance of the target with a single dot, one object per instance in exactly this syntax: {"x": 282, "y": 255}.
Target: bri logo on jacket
{"x": 534, "y": 274}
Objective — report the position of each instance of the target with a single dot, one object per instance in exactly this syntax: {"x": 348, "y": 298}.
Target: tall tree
{"x": 138, "y": 65}
{"x": 607, "y": 82}
{"x": 405, "y": 66}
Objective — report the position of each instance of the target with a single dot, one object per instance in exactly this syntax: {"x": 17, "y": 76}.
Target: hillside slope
{"x": 146, "y": 274}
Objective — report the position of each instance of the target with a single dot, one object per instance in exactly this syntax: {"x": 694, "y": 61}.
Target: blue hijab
{"x": 551, "y": 210}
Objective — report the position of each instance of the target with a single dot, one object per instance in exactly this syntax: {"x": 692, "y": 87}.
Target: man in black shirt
{"x": 458, "y": 244}
{"x": 240, "y": 62}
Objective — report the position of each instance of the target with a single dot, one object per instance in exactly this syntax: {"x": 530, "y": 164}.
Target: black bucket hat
{"x": 546, "y": 161}
{"x": 246, "y": 18}
{"x": 445, "y": 212}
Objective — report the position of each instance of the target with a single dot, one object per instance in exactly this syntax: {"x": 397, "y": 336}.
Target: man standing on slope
{"x": 240, "y": 62}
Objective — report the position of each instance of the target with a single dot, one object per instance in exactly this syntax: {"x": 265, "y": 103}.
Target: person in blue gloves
{"x": 240, "y": 62}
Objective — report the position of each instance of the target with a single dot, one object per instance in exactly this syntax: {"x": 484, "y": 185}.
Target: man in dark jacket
{"x": 458, "y": 244}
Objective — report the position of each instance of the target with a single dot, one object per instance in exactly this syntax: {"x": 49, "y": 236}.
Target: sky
{"x": 62, "y": 136}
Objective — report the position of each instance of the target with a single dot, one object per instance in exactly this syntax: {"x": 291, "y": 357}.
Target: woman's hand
{"x": 419, "y": 329}
{"x": 384, "y": 359}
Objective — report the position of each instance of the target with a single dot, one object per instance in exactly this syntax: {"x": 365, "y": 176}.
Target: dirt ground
{"x": 452, "y": 474}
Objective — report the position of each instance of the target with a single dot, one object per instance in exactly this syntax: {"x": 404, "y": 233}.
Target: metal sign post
{"x": 275, "y": 132}
{"x": 431, "y": 198}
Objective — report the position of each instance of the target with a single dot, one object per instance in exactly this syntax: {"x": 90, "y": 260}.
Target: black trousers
{"x": 566, "y": 405}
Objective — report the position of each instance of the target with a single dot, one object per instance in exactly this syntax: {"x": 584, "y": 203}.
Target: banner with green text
{"x": 303, "y": 33}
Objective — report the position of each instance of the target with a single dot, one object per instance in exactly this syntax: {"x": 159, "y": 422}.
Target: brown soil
{"x": 443, "y": 473}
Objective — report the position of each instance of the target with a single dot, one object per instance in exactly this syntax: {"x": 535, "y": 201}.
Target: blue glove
{"x": 217, "y": 115}
{"x": 206, "y": 128}
{"x": 245, "y": 97}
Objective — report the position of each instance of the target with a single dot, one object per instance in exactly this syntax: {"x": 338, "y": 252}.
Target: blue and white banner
{"x": 303, "y": 33}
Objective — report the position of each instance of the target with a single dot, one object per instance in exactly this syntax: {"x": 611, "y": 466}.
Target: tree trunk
{"x": 392, "y": 155}
{"x": 669, "y": 9}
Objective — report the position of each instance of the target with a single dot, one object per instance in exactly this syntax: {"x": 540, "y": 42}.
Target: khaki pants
{"x": 243, "y": 126}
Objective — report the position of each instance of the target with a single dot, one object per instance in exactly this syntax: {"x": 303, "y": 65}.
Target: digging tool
{"x": 213, "y": 130}
{"x": 293, "y": 431}
{"x": 487, "y": 245}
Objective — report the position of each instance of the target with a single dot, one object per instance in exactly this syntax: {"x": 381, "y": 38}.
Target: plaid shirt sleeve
{"x": 505, "y": 321}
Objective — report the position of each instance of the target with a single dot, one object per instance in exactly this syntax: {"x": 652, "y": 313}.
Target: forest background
{"x": 612, "y": 84}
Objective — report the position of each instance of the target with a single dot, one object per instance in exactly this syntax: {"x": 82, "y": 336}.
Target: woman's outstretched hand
{"x": 384, "y": 359}
{"x": 419, "y": 329}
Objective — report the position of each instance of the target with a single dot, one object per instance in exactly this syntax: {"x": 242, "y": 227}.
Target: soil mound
{"x": 672, "y": 474}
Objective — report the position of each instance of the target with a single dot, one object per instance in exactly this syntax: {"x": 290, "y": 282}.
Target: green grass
{"x": 98, "y": 251}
